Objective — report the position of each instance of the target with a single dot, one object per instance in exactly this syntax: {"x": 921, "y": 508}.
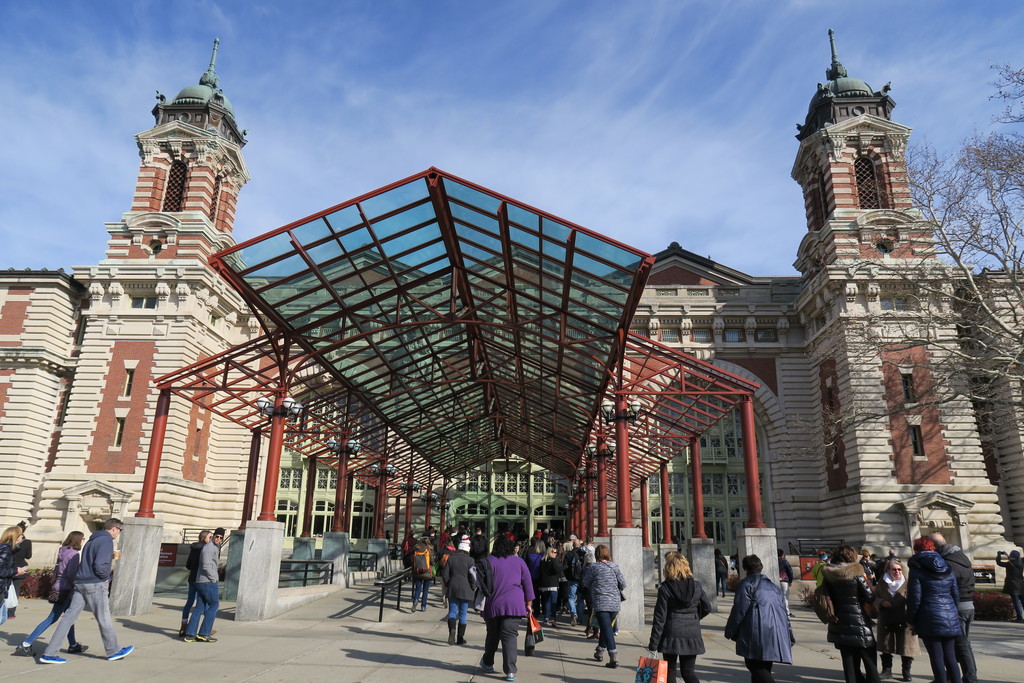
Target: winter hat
{"x": 219, "y": 531}
{"x": 1015, "y": 554}
{"x": 464, "y": 546}
{"x": 573, "y": 537}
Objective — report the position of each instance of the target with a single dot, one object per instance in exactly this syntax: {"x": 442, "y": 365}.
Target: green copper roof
{"x": 208, "y": 89}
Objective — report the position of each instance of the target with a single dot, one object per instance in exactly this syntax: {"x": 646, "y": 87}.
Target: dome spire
{"x": 837, "y": 70}
{"x": 210, "y": 77}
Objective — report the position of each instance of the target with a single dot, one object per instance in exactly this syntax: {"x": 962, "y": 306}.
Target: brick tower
{"x": 153, "y": 305}
{"x": 890, "y": 460}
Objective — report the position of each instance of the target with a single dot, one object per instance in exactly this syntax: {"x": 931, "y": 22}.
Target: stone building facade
{"x": 78, "y": 354}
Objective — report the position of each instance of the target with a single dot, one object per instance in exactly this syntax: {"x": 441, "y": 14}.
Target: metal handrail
{"x": 387, "y": 583}
{"x": 323, "y": 572}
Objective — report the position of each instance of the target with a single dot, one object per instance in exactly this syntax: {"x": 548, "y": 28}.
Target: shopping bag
{"x": 12, "y": 597}
{"x": 536, "y": 630}
{"x": 529, "y": 644}
{"x": 651, "y": 670}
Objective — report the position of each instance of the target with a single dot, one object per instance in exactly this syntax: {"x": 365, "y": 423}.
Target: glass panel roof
{"x": 430, "y": 292}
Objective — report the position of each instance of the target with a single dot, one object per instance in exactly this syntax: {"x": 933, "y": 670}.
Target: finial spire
{"x": 210, "y": 77}
{"x": 837, "y": 70}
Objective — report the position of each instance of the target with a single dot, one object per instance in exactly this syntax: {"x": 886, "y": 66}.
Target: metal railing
{"x": 386, "y": 584}
{"x": 362, "y": 561}
{"x": 306, "y": 573}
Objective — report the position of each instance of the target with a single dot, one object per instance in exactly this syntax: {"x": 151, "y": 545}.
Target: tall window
{"x": 909, "y": 395}
{"x": 119, "y": 432}
{"x": 215, "y": 199}
{"x": 822, "y": 201}
{"x": 177, "y": 179}
{"x": 288, "y": 514}
{"x": 916, "y": 442}
{"x": 129, "y": 379}
{"x": 868, "y": 192}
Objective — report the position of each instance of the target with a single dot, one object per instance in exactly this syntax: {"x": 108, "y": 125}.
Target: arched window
{"x": 471, "y": 509}
{"x": 215, "y": 199}
{"x": 511, "y": 510}
{"x": 177, "y": 179}
{"x": 869, "y": 194}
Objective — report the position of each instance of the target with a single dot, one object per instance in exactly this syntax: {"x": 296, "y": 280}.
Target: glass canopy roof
{"x": 475, "y": 327}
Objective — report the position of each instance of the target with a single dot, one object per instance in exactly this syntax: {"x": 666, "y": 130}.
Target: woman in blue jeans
{"x": 64, "y": 581}
{"x": 604, "y": 583}
{"x": 459, "y": 590}
{"x": 551, "y": 572}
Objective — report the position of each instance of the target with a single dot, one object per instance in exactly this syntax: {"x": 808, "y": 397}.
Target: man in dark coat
{"x": 963, "y": 570}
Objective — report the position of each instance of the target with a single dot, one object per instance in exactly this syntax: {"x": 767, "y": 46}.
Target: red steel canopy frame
{"x": 446, "y": 326}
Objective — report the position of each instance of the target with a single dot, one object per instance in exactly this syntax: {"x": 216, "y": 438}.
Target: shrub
{"x": 37, "y": 583}
{"x": 732, "y": 582}
{"x": 993, "y": 606}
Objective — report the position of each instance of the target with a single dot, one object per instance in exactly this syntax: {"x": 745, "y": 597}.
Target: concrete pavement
{"x": 338, "y": 639}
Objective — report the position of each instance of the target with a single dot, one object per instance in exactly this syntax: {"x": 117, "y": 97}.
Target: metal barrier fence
{"x": 306, "y": 573}
{"x": 386, "y": 584}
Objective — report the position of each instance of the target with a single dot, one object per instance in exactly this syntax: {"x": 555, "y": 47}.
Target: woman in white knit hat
{"x": 459, "y": 591}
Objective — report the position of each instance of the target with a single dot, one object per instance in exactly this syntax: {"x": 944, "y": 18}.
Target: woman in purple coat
{"x": 65, "y": 570}
{"x": 510, "y": 601}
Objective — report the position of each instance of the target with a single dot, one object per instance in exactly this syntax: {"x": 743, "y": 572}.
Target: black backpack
{"x": 576, "y": 559}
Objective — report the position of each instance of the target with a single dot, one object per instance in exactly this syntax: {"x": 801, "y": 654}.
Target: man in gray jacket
{"x": 207, "y": 597}
{"x": 958, "y": 561}
{"x": 91, "y": 590}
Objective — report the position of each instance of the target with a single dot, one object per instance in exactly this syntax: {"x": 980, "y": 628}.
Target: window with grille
{"x": 291, "y": 478}
{"x": 326, "y": 479}
{"x": 869, "y": 194}
{"x": 670, "y": 336}
{"x": 177, "y": 179}
{"x": 765, "y": 335}
{"x": 143, "y": 302}
{"x": 822, "y": 201}
{"x": 893, "y": 303}
{"x": 215, "y": 199}
{"x": 907, "y": 379}
{"x": 733, "y": 335}
{"x": 701, "y": 336}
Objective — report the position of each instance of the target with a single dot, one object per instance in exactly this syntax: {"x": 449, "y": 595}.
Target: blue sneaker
{"x": 486, "y": 669}
{"x": 52, "y": 660}
{"x": 121, "y": 654}
{"x": 510, "y": 677}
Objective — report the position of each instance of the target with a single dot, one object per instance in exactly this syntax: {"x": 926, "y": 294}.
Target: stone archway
{"x": 91, "y": 503}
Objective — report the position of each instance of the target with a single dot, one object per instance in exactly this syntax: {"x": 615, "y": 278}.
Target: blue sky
{"x": 649, "y": 121}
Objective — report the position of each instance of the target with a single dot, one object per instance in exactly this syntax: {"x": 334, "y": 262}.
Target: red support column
{"x": 624, "y": 504}
{"x": 268, "y": 511}
{"x": 645, "y": 515}
{"x": 380, "y": 504}
{"x": 590, "y": 510}
{"x": 340, "y": 486}
{"x": 666, "y": 507}
{"x": 307, "y": 508}
{"x": 426, "y": 517}
{"x": 347, "y": 518}
{"x": 754, "y": 520}
{"x": 252, "y": 473}
{"x": 602, "y": 496}
{"x": 156, "y": 450}
{"x": 441, "y": 518}
{"x": 394, "y": 528}
{"x": 697, "y": 477}
{"x": 408, "y": 506}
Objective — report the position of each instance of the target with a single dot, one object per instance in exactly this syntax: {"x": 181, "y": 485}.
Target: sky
{"x": 649, "y": 121}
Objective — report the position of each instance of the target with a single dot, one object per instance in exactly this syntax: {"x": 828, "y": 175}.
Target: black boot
{"x": 462, "y": 635}
{"x": 451, "y": 631}
{"x": 907, "y": 661}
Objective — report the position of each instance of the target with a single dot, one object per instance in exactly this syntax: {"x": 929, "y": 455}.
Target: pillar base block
{"x": 627, "y": 552}
{"x": 763, "y": 543}
{"x": 702, "y": 562}
{"x": 131, "y": 590}
{"x": 336, "y": 547}
{"x": 259, "y": 571}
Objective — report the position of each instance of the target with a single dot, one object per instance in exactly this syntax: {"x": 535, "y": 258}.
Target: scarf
{"x": 893, "y": 584}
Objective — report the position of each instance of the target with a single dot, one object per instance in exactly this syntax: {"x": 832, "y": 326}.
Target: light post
{"x": 622, "y": 412}
{"x": 588, "y": 475}
{"x": 428, "y": 501}
{"x": 343, "y": 448}
{"x": 408, "y": 487}
{"x": 279, "y": 409}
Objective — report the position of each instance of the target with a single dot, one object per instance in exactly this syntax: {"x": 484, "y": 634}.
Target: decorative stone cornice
{"x": 37, "y": 356}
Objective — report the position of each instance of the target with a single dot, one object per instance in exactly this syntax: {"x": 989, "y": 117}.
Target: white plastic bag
{"x": 12, "y": 597}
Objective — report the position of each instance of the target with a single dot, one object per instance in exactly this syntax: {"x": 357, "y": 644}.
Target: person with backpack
{"x": 721, "y": 571}
{"x": 574, "y": 560}
{"x": 422, "y": 573}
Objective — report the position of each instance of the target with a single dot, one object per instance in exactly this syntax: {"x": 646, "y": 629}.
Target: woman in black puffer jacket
{"x": 932, "y": 596}
{"x": 852, "y": 632}
{"x": 681, "y": 605}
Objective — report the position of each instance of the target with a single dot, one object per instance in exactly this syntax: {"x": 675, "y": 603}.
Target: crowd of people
{"x": 877, "y": 608}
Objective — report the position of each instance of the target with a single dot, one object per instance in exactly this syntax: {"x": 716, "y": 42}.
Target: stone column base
{"x": 259, "y": 571}
{"x": 627, "y": 552}
{"x": 763, "y": 543}
{"x": 702, "y": 562}
{"x": 236, "y": 542}
{"x": 336, "y": 547}
{"x": 131, "y": 590}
